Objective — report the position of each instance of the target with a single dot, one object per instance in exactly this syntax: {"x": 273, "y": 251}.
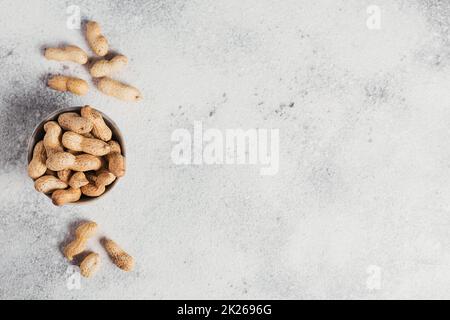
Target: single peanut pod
{"x": 65, "y": 160}
{"x": 105, "y": 67}
{"x": 116, "y": 161}
{"x": 68, "y": 53}
{"x": 78, "y": 180}
{"x": 37, "y": 166}
{"x": 120, "y": 258}
{"x": 77, "y": 142}
{"x": 75, "y": 247}
{"x": 82, "y": 233}
{"x": 90, "y": 265}
{"x": 61, "y": 197}
{"x": 97, "y": 183}
{"x": 60, "y": 161}
{"x": 97, "y": 42}
{"x": 47, "y": 184}
{"x": 72, "y": 121}
{"x": 87, "y": 162}
{"x": 119, "y": 90}
{"x": 100, "y": 130}
{"x": 103, "y": 177}
{"x": 116, "y": 164}
{"x": 64, "y": 175}
{"x": 74, "y": 85}
{"x": 86, "y": 229}
{"x": 115, "y": 146}
{"x": 92, "y": 190}
{"x": 52, "y": 138}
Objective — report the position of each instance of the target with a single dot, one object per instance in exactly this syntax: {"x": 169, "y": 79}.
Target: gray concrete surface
{"x": 360, "y": 207}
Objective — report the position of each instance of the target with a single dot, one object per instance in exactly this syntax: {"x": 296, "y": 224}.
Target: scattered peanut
{"x": 90, "y": 265}
{"x": 61, "y": 197}
{"x": 74, "y": 85}
{"x": 65, "y": 160}
{"x": 78, "y": 180}
{"x": 86, "y": 229}
{"x": 96, "y": 40}
{"x": 105, "y": 67}
{"x": 52, "y": 138}
{"x": 47, "y": 184}
{"x": 100, "y": 129}
{"x": 97, "y": 183}
{"x": 118, "y": 90}
{"x": 116, "y": 161}
{"x": 120, "y": 258}
{"x": 37, "y": 167}
{"x": 74, "y": 122}
{"x": 68, "y": 53}
{"x": 82, "y": 234}
{"x": 77, "y": 142}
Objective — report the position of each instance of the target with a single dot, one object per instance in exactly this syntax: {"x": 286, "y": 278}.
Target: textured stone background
{"x": 365, "y": 158}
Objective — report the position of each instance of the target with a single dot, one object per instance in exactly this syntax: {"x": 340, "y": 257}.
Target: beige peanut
{"x": 47, "y": 184}
{"x": 64, "y": 175}
{"x": 116, "y": 161}
{"x": 74, "y": 85}
{"x": 90, "y": 265}
{"x": 86, "y": 229}
{"x": 61, "y": 197}
{"x": 120, "y": 258}
{"x": 37, "y": 166}
{"x": 119, "y": 90}
{"x": 74, "y": 122}
{"x": 65, "y": 160}
{"x": 105, "y": 67}
{"x": 77, "y": 142}
{"x": 68, "y": 53}
{"x": 100, "y": 130}
{"x": 52, "y": 138}
{"x": 78, "y": 180}
{"x": 82, "y": 234}
{"x": 97, "y": 183}
{"x": 97, "y": 42}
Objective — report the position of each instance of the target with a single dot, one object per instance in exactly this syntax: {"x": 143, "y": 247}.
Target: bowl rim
{"x": 38, "y": 132}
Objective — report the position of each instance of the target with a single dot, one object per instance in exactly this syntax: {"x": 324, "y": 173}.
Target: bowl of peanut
{"x": 76, "y": 155}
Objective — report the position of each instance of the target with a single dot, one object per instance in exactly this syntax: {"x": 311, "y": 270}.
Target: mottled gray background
{"x": 364, "y": 177}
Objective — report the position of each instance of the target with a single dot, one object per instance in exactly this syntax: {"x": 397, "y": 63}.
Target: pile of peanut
{"x": 77, "y": 156}
{"x": 90, "y": 264}
{"x": 101, "y": 70}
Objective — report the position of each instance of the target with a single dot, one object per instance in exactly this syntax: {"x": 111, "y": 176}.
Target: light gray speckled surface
{"x": 364, "y": 175}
